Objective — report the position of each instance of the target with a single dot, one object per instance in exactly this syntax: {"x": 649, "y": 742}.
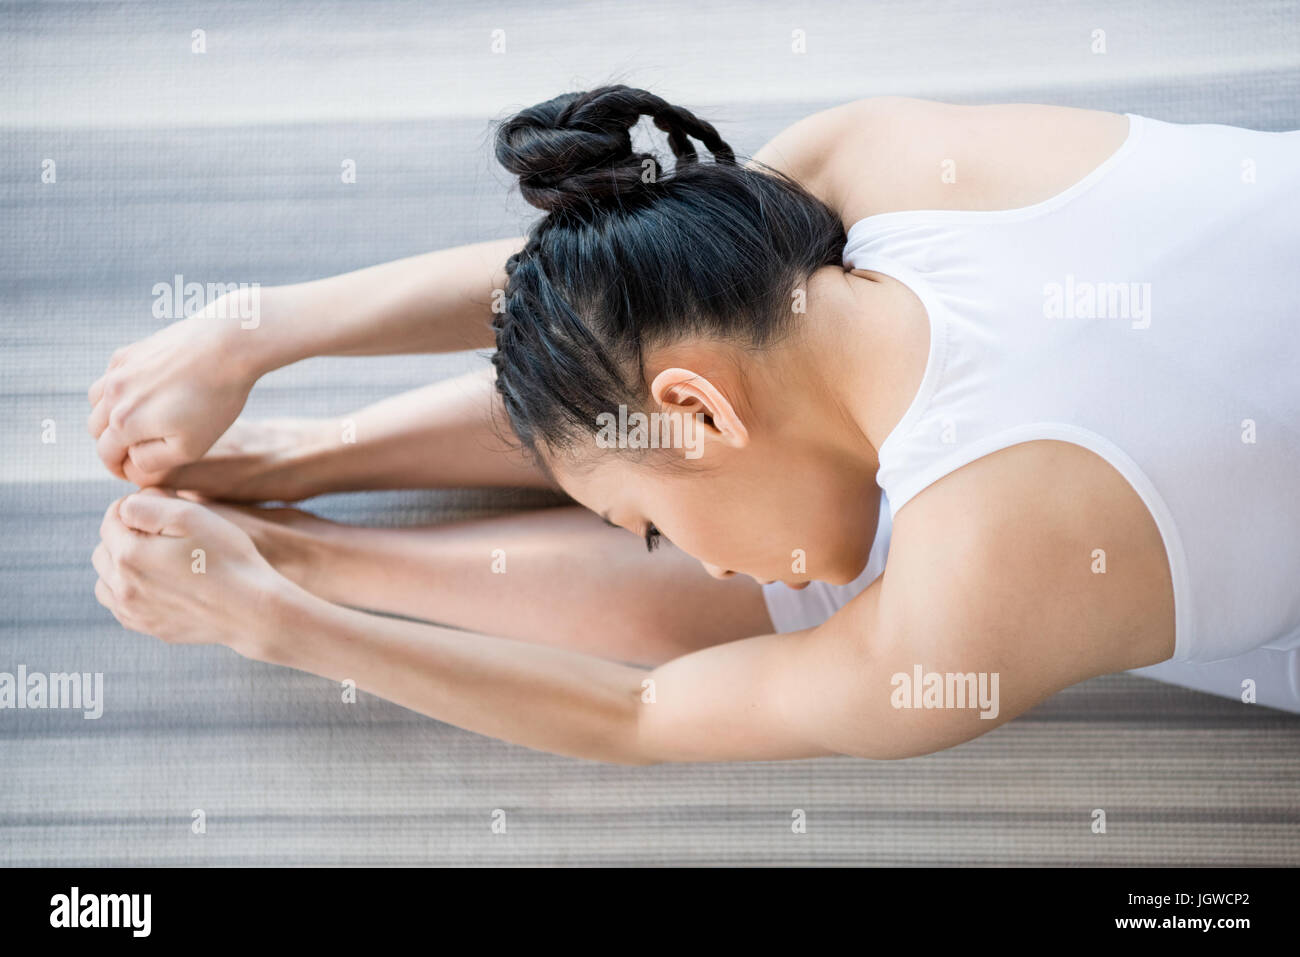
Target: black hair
{"x": 629, "y": 256}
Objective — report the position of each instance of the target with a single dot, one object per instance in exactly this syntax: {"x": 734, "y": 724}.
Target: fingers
{"x": 117, "y": 430}
{"x": 157, "y": 512}
{"x": 143, "y": 479}
{"x": 104, "y": 565}
{"x": 128, "y": 416}
{"x": 111, "y": 450}
{"x": 114, "y": 412}
{"x": 120, "y": 417}
{"x": 97, "y": 387}
{"x": 98, "y": 420}
{"x": 104, "y": 595}
{"x": 114, "y": 534}
{"x": 96, "y": 390}
{"x": 154, "y": 456}
{"x": 109, "y": 407}
{"x": 120, "y": 449}
{"x": 164, "y": 492}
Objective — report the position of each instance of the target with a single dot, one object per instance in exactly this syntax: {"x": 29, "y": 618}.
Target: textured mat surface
{"x": 225, "y": 167}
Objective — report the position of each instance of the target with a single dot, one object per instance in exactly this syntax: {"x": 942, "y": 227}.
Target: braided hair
{"x": 630, "y": 256}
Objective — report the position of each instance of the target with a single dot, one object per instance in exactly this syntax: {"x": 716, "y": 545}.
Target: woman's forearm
{"x": 539, "y": 697}
{"x": 164, "y": 401}
{"x": 728, "y": 702}
{"x": 435, "y": 302}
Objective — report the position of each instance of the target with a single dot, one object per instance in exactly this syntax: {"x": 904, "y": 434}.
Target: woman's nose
{"x": 717, "y": 571}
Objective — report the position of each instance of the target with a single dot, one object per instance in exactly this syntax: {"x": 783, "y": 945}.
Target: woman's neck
{"x": 862, "y": 350}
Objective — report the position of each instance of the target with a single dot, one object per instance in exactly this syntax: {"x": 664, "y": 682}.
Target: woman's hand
{"x": 164, "y": 400}
{"x": 171, "y": 568}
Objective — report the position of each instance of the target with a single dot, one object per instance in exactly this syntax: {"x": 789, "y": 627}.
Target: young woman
{"x": 1062, "y": 342}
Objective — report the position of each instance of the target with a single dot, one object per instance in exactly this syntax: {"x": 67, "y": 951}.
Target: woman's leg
{"x": 445, "y": 435}
{"x": 557, "y": 576}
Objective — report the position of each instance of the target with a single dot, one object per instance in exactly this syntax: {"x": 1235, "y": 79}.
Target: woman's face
{"x": 790, "y": 513}
{"x": 776, "y": 478}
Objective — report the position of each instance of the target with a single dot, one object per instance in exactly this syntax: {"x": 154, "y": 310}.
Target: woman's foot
{"x": 254, "y": 461}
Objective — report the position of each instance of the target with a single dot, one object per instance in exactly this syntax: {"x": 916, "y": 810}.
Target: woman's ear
{"x": 689, "y": 393}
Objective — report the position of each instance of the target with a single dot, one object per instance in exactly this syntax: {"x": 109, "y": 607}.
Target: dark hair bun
{"x": 575, "y": 151}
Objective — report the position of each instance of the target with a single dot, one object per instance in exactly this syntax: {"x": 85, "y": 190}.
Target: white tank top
{"x": 1151, "y": 314}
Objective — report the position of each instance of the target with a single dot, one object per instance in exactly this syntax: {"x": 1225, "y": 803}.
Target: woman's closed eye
{"x": 652, "y": 538}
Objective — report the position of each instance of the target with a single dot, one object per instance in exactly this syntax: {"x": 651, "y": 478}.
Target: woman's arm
{"x": 827, "y": 690}
{"x": 1000, "y": 641}
{"x": 436, "y": 302}
{"x": 993, "y": 608}
{"x": 166, "y": 399}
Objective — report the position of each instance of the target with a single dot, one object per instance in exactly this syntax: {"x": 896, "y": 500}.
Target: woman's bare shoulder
{"x": 885, "y": 154}
{"x": 1018, "y": 545}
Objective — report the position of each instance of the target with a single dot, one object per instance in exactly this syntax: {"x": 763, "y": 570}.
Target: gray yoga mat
{"x": 225, "y": 166}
